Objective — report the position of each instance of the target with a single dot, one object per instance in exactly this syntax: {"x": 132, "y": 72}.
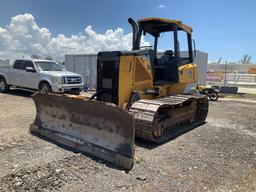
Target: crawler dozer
{"x": 139, "y": 92}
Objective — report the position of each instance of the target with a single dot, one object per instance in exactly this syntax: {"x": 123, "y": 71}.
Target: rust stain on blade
{"x": 103, "y": 125}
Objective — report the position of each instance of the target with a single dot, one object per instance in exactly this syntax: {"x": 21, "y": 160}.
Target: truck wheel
{"x": 77, "y": 92}
{"x": 45, "y": 88}
{"x": 3, "y": 85}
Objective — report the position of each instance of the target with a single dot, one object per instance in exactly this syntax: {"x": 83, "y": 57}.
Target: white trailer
{"x": 86, "y": 65}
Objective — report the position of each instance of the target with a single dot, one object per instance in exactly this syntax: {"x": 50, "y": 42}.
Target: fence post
{"x": 225, "y": 75}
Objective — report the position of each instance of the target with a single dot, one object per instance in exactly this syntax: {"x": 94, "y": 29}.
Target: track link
{"x": 156, "y": 119}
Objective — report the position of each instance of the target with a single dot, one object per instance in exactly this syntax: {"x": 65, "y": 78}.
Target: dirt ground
{"x": 217, "y": 156}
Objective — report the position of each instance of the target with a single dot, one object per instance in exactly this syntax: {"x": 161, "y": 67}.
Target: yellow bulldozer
{"x": 139, "y": 93}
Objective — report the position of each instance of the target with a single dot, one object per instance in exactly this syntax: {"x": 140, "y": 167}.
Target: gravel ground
{"x": 217, "y": 156}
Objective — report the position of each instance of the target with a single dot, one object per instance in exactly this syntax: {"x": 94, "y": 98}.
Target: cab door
{"x": 16, "y": 73}
{"x": 29, "y": 78}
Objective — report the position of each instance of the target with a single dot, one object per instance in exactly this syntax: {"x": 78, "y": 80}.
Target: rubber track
{"x": 144, "y": 112}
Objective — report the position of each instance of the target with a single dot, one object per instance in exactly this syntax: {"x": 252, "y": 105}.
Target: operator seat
{"x": 166, "y": 58}
{"x": 166, "y": 69}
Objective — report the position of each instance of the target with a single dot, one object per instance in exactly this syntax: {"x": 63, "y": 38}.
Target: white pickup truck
{"x": 43, "y": 75}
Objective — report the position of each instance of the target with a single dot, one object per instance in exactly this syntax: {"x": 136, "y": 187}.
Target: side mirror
{"x": 30, "y": 69}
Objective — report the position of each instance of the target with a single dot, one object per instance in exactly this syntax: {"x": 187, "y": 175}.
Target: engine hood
{"x": 60, "y": 73}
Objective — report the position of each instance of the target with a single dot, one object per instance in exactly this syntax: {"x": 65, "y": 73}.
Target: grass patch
{"x": 139, "y": 160}
{"x": 241, "y": 96}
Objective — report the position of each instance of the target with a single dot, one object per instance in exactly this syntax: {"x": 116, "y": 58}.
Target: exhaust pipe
{"x": 135, "y": 31}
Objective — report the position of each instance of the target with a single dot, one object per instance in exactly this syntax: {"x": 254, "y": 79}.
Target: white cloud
{"x": 23, "y": 37}
{"x": 161, "y": 6}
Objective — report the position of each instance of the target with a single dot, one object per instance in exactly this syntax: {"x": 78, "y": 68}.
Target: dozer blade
{"x": 101, "y": 129}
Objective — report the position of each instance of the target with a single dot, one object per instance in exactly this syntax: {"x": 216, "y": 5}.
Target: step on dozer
{"x": 101, "y": 129}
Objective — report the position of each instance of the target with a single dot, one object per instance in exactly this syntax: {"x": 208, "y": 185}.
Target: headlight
{"x": 57, "y": 80}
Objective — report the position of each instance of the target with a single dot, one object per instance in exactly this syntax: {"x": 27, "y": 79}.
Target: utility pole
{"x": 225, "y": 73}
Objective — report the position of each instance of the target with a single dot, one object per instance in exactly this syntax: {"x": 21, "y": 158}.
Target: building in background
{"x": 252, "y": 69}
{"x": 231, "y": 73}
{"x": 231, "y": 67}
{"x": 86, "y": 65}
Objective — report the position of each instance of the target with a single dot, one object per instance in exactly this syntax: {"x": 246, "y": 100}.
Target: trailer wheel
{"x": 45, "y": 88}
{"x": 214, "y": 96}
{"x": 3, "y": 85}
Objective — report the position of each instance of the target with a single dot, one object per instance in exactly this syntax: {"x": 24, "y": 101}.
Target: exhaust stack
{"x": 135, "y": 32}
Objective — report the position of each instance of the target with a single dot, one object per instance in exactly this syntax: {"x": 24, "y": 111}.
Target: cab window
{"x": 28, "y": 64}
{"x": 18, "y": 64}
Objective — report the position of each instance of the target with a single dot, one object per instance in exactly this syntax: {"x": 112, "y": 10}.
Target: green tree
{"x": 48, "y": 58}
{"x": 246, "y": 59}
{"x": 34, "y": 56}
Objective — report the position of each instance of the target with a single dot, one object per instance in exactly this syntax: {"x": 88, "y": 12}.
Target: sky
{"x": 222, "y": 28}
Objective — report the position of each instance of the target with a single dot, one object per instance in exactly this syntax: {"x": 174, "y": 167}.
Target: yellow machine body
{"x": 135, "y": 74}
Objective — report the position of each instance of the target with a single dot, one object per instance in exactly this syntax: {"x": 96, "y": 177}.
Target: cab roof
{"x": 154, "y": 26}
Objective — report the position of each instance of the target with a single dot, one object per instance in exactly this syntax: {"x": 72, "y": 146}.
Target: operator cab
{"x": 165, "y": 64}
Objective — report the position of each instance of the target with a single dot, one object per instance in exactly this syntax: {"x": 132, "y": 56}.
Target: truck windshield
{"x": 49, "y": 66}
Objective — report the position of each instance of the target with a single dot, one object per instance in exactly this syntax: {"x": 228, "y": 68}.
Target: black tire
{"x": 214, "y": 96}
{"x": 3, "y": 85}
{"x": 45, "y": 88}
{"x": 76, "y": 92}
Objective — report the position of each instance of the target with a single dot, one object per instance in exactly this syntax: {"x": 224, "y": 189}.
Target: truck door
{"x": 15, "y": 73}
{"x": 29, "y": 78}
